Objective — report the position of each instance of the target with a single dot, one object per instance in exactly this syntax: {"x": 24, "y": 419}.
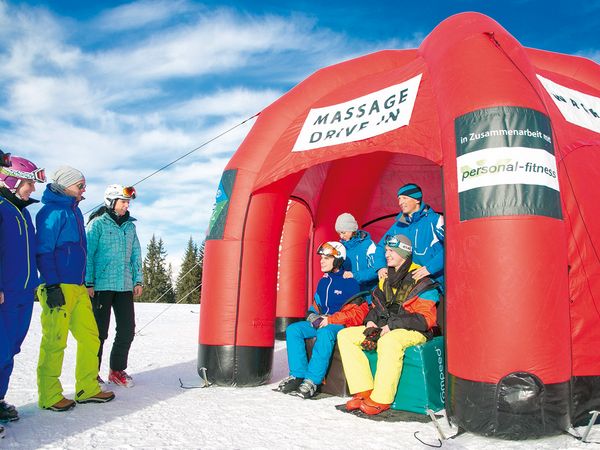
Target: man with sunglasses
{"x": 61, "y": 258}
{"x": 425, "y": 229}
{"x": 18, "y": 269}
{"x": 114, "y": 275}
{"x": 403, "y": 314}
{"x": 335, "y": 305}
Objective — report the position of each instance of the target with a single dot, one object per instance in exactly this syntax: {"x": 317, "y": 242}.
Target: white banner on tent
{"x": 576, "y": 107}
{"x": 506, "y": 165}
{"x": 360, "y": 118}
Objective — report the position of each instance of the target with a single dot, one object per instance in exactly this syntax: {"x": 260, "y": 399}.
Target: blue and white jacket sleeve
{"x": 48, "y": 228}
{"x": 436, "y": 264}
{"x": 368, "y": 272}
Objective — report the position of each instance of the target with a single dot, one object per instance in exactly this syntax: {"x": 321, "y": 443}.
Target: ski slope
{"x": 158, "y": 413}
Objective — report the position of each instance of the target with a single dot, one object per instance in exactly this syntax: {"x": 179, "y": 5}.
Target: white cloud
{"x": 140, "y": 13}
{"x": 239, "y": 101}
{"x": 33, "y": 40}
{"x": 221, "y": 42}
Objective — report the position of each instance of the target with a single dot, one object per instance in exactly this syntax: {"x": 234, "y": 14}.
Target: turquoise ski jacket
{"x": 114, "y": 255}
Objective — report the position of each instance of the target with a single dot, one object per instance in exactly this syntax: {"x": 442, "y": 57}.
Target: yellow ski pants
{"x": 390, "y": 355}
{"x": 75, "y": 315}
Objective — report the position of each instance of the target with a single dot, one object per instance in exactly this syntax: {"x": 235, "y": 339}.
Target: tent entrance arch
{"x": 329, "y": 189}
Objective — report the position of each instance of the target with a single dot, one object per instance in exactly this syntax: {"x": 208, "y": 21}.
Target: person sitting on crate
{"x": 403, "y": 314}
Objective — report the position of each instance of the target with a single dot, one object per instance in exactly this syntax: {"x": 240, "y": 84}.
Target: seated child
{"x": 335, "y": 305}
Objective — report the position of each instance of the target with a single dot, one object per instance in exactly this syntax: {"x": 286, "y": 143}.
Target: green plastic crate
{"x": 422, "y": 381}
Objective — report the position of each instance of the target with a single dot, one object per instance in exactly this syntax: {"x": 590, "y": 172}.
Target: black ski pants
{"x": 122, "y": 304}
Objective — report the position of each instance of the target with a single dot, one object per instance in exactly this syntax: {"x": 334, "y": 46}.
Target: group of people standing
{"x": 82, "y": 275}
{"x": 379, "y": 298}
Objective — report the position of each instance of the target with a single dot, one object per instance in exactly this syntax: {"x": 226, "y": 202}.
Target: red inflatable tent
{"x": 505, "y": 141}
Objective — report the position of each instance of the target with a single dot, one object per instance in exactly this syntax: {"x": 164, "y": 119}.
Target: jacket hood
{"x": 51, "y": 196}
{"x": 361, "y": 235}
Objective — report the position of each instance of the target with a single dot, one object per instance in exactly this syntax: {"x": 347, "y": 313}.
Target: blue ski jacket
{"x": 61, "y": 241}
{"x": 360, "y": 259}
{"x": 332, "y": 292}
{"x": 18, "y": 269}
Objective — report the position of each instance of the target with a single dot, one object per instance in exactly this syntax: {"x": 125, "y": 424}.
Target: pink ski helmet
{"x": 21, "y": 169}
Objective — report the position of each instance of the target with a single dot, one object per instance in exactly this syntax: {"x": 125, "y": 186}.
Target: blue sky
{"x": 119, "y": 89}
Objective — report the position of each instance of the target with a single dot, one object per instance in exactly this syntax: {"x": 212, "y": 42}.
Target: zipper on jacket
{"x": 26, "y": 242}
{"x": 19, "y": 225}
{"x": 327, "y": 294}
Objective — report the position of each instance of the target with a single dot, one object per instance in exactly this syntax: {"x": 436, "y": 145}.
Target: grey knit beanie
{"x": 346, "y": 222}
{"x": 65, "y": 176}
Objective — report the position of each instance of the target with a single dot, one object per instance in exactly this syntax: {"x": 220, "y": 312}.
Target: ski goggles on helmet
{"x": 129, "y": 192}
{"x": 38, "y": 175}
{"x": 327, "y": 249}
{"x": 5, "y": 159}
{"x": 394, "y": 242}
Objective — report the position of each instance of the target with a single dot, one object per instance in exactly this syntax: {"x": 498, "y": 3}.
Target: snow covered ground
{"x": 158, "y": 413}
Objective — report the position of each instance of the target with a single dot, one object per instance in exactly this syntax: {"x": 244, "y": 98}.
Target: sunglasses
{"x": 81, "y": 186}
{"x": 328, "y": 250}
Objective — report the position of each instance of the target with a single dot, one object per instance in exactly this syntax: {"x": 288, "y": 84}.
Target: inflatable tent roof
{"x": 504, "y": 140}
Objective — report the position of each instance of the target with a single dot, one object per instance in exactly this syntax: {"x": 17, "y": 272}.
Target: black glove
{"x": 55, "y": 297}
{"x": 371, "y": 336}
{"x": 317, "y": 321}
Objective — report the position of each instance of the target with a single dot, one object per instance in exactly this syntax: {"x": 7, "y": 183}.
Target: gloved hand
{"x": 55, "y": 297}
{"x": 371, "y": 336}
{"x": 317, "y": 321}
{"x": 311, "y": 317}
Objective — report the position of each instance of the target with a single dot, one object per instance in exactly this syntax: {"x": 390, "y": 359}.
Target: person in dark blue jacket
{"x": 66, "y": 306}
{"x": 18, "y": 269}
{"x": 424, "y": 227}
{"x": 360, "y": 252}
{"x": 330, "y": 312}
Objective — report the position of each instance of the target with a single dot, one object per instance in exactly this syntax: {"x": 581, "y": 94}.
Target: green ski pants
{"x": 75, "y": 315}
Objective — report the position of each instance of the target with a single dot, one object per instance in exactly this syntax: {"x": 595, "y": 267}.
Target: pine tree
{"x": 157, "y": 280}
{"x": 190, "y": 274}
{"x": 169, "y": 288}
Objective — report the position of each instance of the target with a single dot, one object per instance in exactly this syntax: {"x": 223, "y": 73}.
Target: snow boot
{"x": 120, "y": 378}
{"x": 354, "y": 403}
{"x": 100, "y": 397}
{"x": 62, "y": 405}
{"x": 8, "y": 413}
{"x": 289, "y": 384}
{"x": 370, "y": 407}
{"x": 307, "y": 389}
